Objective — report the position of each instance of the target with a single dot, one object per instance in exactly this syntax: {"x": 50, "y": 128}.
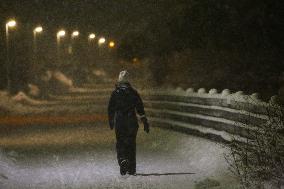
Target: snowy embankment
{"x": 12, "y": 104}
{"x": 61, "y": 97}
{"x": 20, "y": 104}
{"x": 32, "y": 102}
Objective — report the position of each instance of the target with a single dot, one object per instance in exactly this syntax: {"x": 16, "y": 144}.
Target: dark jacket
{"x": 123, "y": 102}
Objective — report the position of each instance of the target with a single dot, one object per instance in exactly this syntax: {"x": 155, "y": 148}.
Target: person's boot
{"x": 132, "y": 172}
{"x": 132, "y": 169}
{"x": 123, "y": 167}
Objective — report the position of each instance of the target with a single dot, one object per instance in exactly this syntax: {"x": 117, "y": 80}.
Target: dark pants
{"x": 126, "y": 146}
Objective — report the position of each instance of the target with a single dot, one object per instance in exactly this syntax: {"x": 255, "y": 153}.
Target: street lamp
{"x": 37, "y": 30}
{"x": 75, "y": 34}
{"x": 111, "y": 44}
{"x": 10, "y": 24}
{"x": 92, "y": 36}
{"x": 59, "y": 35}
{"x": 101, "y": 41}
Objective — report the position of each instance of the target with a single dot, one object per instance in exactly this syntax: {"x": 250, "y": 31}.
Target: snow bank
{"x": 23, "y": 98}
{"x": 51, "y": 82}
{"x": 63, "y": 79}
{"x": 18, "y": 104}
{"x": 34, "y": 90}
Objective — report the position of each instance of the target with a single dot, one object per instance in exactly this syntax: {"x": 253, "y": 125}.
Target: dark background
{"x": 235, "y": 44}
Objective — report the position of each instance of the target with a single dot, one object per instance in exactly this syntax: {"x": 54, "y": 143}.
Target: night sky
{"x": 185, "y": 23}
{"x": 110, "y": 18}
{"x": 215, "y": 38}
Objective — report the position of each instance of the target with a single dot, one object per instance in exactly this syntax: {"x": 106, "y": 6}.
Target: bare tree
{"x": 259, "y": 160}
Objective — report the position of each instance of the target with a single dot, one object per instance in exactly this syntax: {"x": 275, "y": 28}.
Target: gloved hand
{"x": 146, "y": 124}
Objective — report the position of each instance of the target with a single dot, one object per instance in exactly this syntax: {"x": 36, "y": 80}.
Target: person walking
{"x": 123, "y": 105}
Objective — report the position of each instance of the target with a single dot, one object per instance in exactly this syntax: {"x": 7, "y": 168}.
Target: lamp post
{"x": 74, "y": 35}
{"x": 36, "y": 31}
{"x": 91, "y": 52}
{"x": 59, "y": 35}
{"x": 10, "y": 24}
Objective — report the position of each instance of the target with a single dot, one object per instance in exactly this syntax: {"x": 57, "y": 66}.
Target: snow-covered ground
{"x": 84, "y": 157}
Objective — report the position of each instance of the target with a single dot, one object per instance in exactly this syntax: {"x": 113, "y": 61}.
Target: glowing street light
{"x": 10, "y": 24}
{"x": 60, "y": 34}
{"x": 38, "y": 29}
{"x": 111, "y": 44}
{"x": 75, "y": 34}
{"x": 101, "y": 41}
{"x": 92, "y": 36}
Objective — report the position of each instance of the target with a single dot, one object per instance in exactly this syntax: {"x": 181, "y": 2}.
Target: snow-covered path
{"x": 84, "y": 157}
{"x": 76, "y": 154}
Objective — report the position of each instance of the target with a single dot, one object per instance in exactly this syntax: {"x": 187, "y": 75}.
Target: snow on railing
{"x": 218, "y": 115}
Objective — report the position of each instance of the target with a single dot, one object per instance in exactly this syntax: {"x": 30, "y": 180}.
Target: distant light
{"x": 92, "y": 36}
{"x": 111, "y": 44}
{"x": 38, "y": 29}
{"x": 102, "y": 40}
{"x": 11, "y": 23}
{"x": 136, "y": 61}
{"x": 61, "y": 33}
{"x": 75, "y": 34}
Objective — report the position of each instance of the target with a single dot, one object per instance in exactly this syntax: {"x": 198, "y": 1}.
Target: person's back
{"x": 122, "y": 108}
{"x": 124, "y": 101}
